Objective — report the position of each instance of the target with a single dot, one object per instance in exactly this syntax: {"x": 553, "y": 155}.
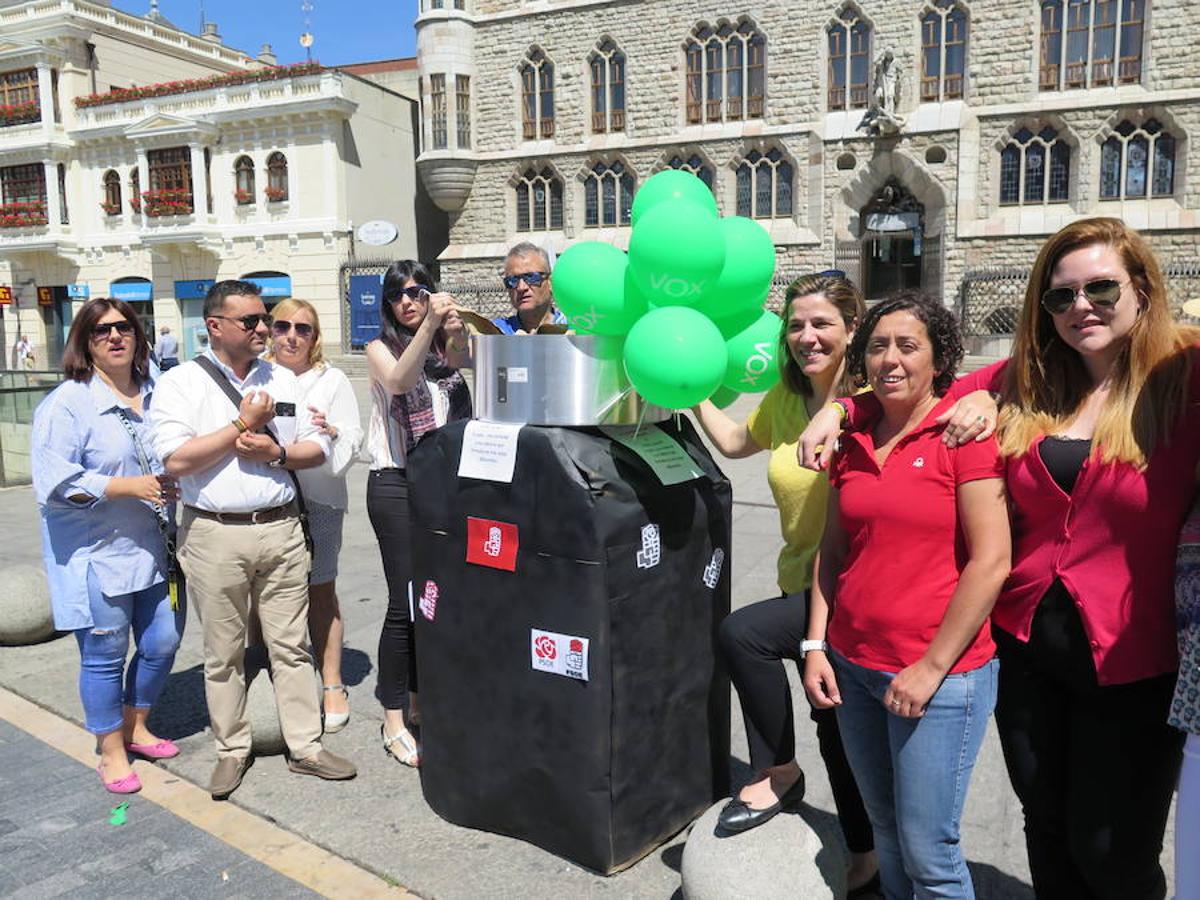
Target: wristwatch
{"x": 279, "y": 462}
{"x": 807, "y": 647}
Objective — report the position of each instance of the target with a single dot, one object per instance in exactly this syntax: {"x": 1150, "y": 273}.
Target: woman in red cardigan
{"x": 1100, "y": 425}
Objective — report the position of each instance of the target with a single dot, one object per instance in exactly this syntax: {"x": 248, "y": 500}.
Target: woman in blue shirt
{"x": 105, "y": 501}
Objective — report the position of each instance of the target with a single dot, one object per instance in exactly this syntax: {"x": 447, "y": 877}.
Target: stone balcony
{"x": 448, "y": 176}
{"x": 50, "y": 238}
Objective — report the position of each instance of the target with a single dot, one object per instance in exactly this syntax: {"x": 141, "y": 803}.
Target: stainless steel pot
{"x": 546, "y": 379}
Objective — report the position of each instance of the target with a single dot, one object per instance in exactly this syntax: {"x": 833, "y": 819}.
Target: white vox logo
{"x": 587, "y": 321}
{"x": 676, "y": 288}
{"x": 494, "y": 543}
{"x": 712, "y": 572}
{"x": 758, "y": 364}
{"x": 651, "y": 552}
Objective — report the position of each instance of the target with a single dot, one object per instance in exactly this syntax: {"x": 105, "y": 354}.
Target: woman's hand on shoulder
{"x": 820, "y": 683}
{"x": 973, "y": 417}
{"x": 816, "y": 444}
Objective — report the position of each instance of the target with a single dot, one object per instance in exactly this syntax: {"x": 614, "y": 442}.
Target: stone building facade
{"x": 1016, "y": 117}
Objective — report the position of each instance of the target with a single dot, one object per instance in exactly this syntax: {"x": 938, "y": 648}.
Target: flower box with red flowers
{"x": 22, "y": 215}
{"x": 251, "y": 76}
{"x": 275, "y": 194}
{"x": 172, "y": 202}
{"x": 20, "y": 113}
{"x": 135, "y": 203}
{"x": 111, "y": 209}
{"x": 243, "y": 198}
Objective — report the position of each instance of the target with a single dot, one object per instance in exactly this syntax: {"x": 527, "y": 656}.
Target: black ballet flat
{"x": 738, "y": 816}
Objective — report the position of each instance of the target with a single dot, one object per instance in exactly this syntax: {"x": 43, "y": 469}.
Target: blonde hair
{"x": 1047, "y": 382}
{"x": 284, "y": 309}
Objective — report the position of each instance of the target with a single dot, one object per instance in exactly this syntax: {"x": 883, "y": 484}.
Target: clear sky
{"x": 346, "y": 31}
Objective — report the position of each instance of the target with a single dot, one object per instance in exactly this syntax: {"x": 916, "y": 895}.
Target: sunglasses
{"x": 414, "y": 292}
{"x": 280, "y": 327}
{"x": 533, "y": 279}
{"x": 250, "y": 322}
{"x": 1103, "y": 293}
{"x": 104, "y": 329}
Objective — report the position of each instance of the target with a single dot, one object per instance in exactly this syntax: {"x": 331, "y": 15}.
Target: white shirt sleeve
{"x": 343, "y": 415}
{"x": 171, "y": 427}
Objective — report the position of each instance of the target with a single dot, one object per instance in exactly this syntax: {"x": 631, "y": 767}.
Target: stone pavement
{"x": 380, "y": 821}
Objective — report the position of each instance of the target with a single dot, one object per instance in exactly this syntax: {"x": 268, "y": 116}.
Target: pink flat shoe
{"x": 162, "y": 750}
{"x": 130, "y": 784}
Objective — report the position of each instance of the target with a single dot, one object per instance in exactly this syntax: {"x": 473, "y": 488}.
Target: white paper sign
{"x": 661, "y": 453}
{"x": 560, "y": 654}
{"x": 489, "y": 451}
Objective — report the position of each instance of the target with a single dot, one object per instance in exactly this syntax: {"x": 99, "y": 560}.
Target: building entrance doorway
{"x": 893, "y": 242}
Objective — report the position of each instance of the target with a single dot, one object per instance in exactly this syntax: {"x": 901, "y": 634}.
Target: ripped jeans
{"x": 103, "y": 648}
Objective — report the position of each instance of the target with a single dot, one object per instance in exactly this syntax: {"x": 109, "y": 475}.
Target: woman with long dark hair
{"x": 415, "y": 388}
{"x": 104, "y": 503}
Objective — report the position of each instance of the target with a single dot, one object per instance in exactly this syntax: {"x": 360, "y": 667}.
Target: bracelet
{"x": 807, "y": 647}
{"x": 240, "y": 425}
{"x": 843, "y": 410}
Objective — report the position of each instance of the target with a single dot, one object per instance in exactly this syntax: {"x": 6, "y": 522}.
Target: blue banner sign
{"x": 131, "y": 291}
{"x": 79, "y": 291}
{"x": 366, "y": 295}
{"x": 194, "y": 289}
{"x": 277, "y": 286}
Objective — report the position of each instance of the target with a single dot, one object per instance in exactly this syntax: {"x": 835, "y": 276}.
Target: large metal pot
{"x": 550, "y": 379}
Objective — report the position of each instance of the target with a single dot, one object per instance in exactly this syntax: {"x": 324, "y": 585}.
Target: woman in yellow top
{"x": 819, "y": 316}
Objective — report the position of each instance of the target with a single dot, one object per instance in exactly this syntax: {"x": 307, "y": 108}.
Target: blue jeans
{"x": 913, "y": 774}
{"x": 103, "y": 647}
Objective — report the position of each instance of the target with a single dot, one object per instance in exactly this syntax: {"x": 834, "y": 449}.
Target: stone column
{"x": 46, "y": 94}
{"x": 54, "y": 199}
{"x": 143, "y": 166}
{"x": 199, "y": 181}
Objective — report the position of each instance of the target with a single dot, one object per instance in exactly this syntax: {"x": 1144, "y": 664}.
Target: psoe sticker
{"x": 712, "y": 572}
{"x": 429, "y": 599}
{"x": 559, "y": 654}
{"x": 651, "y": 552}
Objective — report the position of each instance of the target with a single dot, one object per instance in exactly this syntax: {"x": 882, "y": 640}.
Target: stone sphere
{"x": 25, "y": 616}
{"x": 796, "y": 854}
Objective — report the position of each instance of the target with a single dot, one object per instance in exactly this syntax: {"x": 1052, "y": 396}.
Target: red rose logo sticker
{"x": 545, "y": 647}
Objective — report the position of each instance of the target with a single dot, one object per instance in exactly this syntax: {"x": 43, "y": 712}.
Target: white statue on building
{"x": 881, "y": 116}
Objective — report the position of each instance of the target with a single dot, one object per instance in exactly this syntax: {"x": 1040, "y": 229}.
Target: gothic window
{"x": 437, "y": 111}
{"x": 112, "y": 193}
{"x": 608, "y": 88}
{"x": 537, "y": 96}
{"x": 607, "y": 195}
{"x": 539, "y": 201}
{"x": 1035, "y": 168}
{"x": 765, "y": 185}
{"x": 1091, "y": 43}
{"x": 943, "y": 51}
{"x": 277, "y": 177}
{"x": 726, "y": 72}
{"x": 1136, "y": 161}
{"x": 462, "y": 110}
{"x": 849, "y": 60}
{"x": 694, "y": 164}
{"x": 243, "y": 178}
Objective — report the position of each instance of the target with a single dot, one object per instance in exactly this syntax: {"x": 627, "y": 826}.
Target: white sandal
{"x": 335, "y": 722}
{"x": 411, "y": 755}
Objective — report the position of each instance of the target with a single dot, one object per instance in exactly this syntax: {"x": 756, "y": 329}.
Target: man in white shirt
{"x": 241, "y": 543}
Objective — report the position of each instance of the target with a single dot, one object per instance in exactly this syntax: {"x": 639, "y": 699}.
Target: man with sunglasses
{"x": 527, "y": 280}
{"x": 242, "y": 543}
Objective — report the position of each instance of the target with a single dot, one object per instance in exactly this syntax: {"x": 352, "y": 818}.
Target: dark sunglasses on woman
{"x": 414, "y": 292}
{"x": 1103, "y": 293}
{"x": 280, "y": 327}
{"x": 104, "y": 329}
{"x": 533, "y": 279}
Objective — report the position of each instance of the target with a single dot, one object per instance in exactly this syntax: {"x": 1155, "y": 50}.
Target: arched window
{"x": 539, "y": 200}
{"x": 112, "y": 193}
{"x": 694, "y": 164}
{"x": 726, "y": 72}
{"x": 243, "y": 181}
{"x": 1137, "y": 161}
{"x": 277, "y": 177}
{"x": 607, "y": 195}
{"x": 1035, "y": 168}
{"x": 943, "y": 51}
{"x": 537, "y": 95}
{"x": 1091, "y": 43}
{"x": 765, "y": 185}
{"x": 849, "y": 60}
{"x": 608, "y": 88}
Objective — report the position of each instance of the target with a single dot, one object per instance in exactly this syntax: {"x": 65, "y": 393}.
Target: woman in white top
{"x": 415, "y": 388}
{"x": 296, "y": 345}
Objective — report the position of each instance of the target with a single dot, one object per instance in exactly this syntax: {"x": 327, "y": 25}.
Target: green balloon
{"x": 677, "y": 253}
{"x": 723, "y": 397}
{"x": 745, "y": 280}
{"x": 753, "y": 352}
{"x": 675, "y": 357}
{"x": 672, "y": 184}
{"x": 589, "y": 287}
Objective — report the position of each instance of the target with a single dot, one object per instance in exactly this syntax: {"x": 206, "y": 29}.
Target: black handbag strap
{"x": 236, "y": 399}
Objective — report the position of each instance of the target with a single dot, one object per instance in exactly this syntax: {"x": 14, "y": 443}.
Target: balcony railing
{"x": 20, "y": 113}
{"x": 174, "y": 202}
{"x": 23, "y": 215}
{"x": 141, "y": 92}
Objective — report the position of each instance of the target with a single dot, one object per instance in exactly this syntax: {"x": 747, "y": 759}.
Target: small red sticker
{"x": 545, "y": 647}
{"x": 492, "y": 544}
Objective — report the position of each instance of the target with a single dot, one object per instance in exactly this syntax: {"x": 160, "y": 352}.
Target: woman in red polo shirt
{"x": 1100, "y": 427}
{"x": 915, "y": 550}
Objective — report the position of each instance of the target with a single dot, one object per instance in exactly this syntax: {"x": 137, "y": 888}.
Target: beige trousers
{"x": 232, "y": 569}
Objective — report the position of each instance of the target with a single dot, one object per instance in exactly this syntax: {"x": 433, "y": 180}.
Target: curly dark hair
{"x": 939, "y": 322}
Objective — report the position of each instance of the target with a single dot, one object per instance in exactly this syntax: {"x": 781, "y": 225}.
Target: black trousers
{"x": 1094, "y": 767}
{"x": 754, "y": 642}
{"x": 387, "y": 508}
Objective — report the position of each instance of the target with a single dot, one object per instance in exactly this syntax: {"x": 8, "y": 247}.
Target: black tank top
{"x": 1064, "y": 457}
